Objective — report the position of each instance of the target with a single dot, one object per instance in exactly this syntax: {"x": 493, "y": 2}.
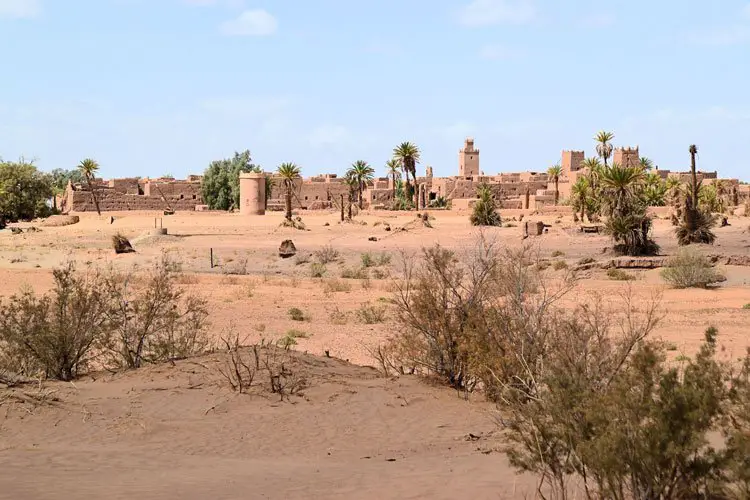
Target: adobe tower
{"x": 468, "y": 159}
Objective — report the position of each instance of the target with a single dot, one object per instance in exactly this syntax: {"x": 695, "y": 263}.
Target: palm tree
{"x": 393, "y": 168}
{"x": 554, "y": 173}
{"x": 696, "y": 223}
{"x": 408, "y": 155}
{"x": 353, "y": 183}
{"x": 581, "y": 193}
{"x": 604, "y": 147}
{"x": 620, "y": 187}
{"x": 645, "y": 163}
{"x": 89, "y": 168}
{"x": 362, "y": 173}
{"x": 288, "y": 172}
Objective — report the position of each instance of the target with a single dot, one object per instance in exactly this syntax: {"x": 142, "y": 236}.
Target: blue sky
{"x": 149, "y": 87}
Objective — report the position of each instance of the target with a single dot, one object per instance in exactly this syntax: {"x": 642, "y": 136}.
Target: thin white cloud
{"x": 20, "y": 9}
{"x": 328, "y": 135}
{"x": 498, "y": 52}
{"x": 257, "y": 22}
{"x": 490, "y": 12}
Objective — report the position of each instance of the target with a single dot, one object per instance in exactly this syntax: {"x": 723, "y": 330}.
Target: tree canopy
{"x": 25, "y": 191}
{"x": 221, "y": 181}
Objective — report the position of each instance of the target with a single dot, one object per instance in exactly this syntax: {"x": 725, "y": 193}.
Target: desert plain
{"x": 177, "y": 431}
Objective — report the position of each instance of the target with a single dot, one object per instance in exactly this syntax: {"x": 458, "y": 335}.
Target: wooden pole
{"x": 211, "y": 254}
{"x": 342, "y": 208}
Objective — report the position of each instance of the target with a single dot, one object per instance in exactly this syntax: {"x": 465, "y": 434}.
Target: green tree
{"x": 88, "y": 168}
{"x": 25, "y": 191}
{"x": 221, "y": 181}
{"x": 362, "y": 173}
{"x": 582, "y": 195}
{"x": 393, "y": 168}
{"x": 60, "y": 178}
{"x": 554, "y": 173}
{"x": 408, "y": 155}
{"x": 289, "y": 173}
{"x": 604, "y": 145}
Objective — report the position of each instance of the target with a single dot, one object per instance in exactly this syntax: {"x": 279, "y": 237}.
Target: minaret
{"x": 468, "y": 159}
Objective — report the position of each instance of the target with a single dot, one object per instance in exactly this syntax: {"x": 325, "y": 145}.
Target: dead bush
{"x": 360, "y": 273}
{"x": 326, "y": 255}
{"x": 55, "y": 334}
{"x": 153, "y": 320}
{"x": 317, "y": 270}
{"x": 690, "y": 269}
{"x": 239, "y": 369}
{"x": 338, "y": 317}
{"x": 619, "y": 275}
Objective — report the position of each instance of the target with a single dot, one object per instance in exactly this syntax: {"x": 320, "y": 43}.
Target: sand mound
{"x": 60, "y": 220}
{"x": 177, "y": 431}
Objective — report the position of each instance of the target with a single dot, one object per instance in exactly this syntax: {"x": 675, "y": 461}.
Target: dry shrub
{"x": 237, "y": 369}
{"x": 619, "y": 275}
{"x": 56, "y": 334}
{"x": 691, "y": 269}
{"x": 338, "y": 317}
{"x": 326, "y": 255}
{"x": 238, "y": 267}
{"x": 370, "y": 314}
{"x": 296, "y": 314}
{"x": 334, "y": 285}
{"x": 186, "y": 279}
{"x": 360, "y": 273}
{"x": 588, "y": 403}
{"x": 301, "y": 258}
{"x": 154, "y": 320}
{"x": 317, "y": 270}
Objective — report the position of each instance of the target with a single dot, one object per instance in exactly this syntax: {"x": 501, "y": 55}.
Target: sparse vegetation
{"x": 367, "y": 260}
{"x": 317, "y": 270}
{"x": 560, "y": 265}
{"x": 696, "y": 224}
{"x": 338, "y": 317}
{"x": 371, "y": 314}
{"x": 334, "y": 285}
{"x": 619, "y": 275}
{"x": 359, "y": 273}
{"x": 690, "y": 269}
{"x": 92, "y": 312}
{"x": 558, "y": 253}
{"x": 326, "y": 255}
{"x": 296, "y": 314}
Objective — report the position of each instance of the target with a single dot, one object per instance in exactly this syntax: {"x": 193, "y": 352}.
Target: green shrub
{"x": 355, "y": 274}
{"x": 335, "y": 285}
{"x": 485, "y": 210}
{"x": 367, "y": 260}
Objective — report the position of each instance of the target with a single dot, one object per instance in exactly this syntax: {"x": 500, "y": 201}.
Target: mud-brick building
{"x": 116, "y": 195}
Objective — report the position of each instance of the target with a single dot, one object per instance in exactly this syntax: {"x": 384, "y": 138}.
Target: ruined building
{"x": 133, "y": 194}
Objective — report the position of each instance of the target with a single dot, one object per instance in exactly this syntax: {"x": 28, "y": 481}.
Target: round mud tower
{"x": 252, "y": 193}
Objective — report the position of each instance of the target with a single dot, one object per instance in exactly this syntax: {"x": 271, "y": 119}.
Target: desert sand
{"x": 176, "y": 431}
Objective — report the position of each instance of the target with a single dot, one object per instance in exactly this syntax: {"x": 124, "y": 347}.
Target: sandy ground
{"x": 146, "y": 433}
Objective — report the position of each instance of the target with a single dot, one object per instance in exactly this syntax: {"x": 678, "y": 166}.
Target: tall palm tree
{"x": 393, "y": 168}
{"x": 408, "y": 155}
{"x": 362, "y": 173}
{"x": 604, "y": 147}
{"x": 554, "y": 173}
{"x": 288, "y": 172}
{"x": 696, "y": 223}
{"x": 89, "y": 168}
{"x": 353, "y": 183}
